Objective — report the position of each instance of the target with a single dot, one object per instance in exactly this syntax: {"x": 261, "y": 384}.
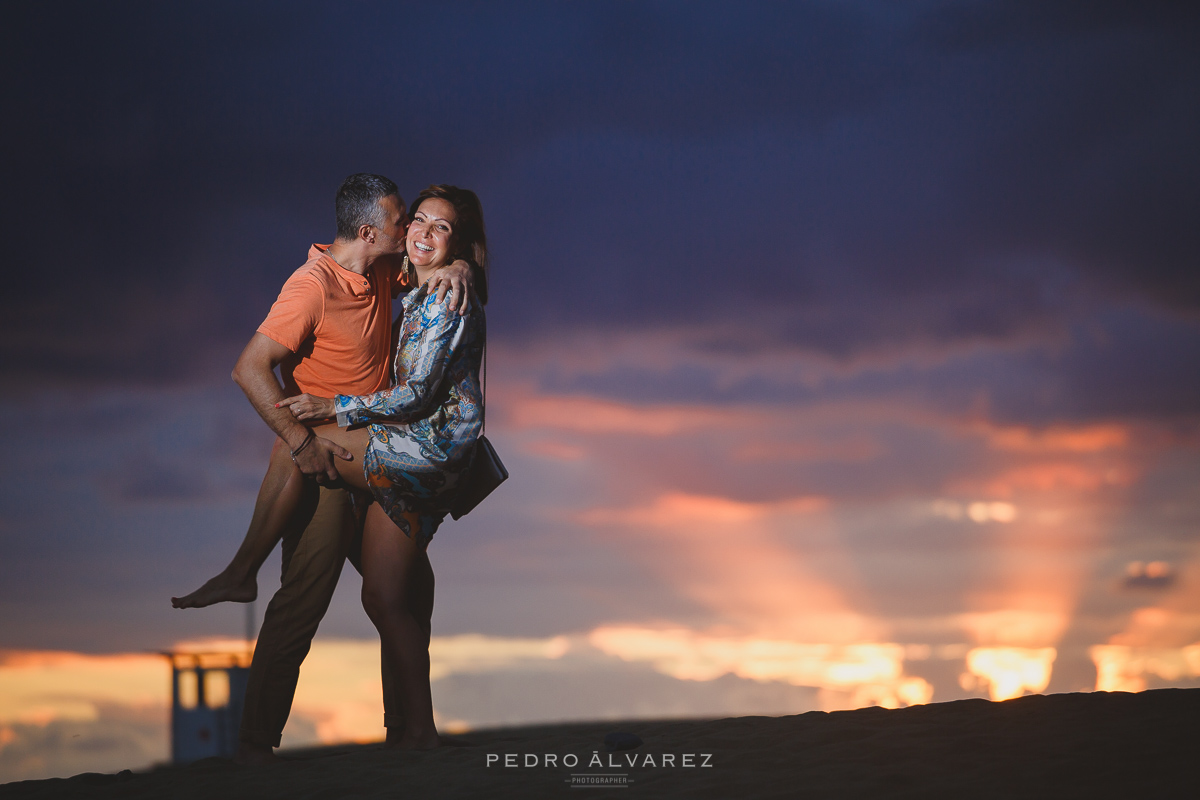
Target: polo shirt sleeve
{"x": 297, "y": 312}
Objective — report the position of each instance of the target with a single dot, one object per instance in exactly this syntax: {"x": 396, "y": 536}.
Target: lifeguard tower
{"x": 207, "y": 693}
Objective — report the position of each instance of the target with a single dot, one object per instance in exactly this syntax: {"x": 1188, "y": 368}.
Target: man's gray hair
{"x": 358, "y": 203}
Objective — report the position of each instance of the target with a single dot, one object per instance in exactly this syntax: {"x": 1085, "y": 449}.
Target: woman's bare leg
{"x": 355, "y": 440}
{"x": 393, "y": 570}
{"x": 421, "y": 598}
{"x": 279, "y": 503}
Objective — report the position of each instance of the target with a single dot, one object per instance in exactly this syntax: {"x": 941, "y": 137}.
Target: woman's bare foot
{"x": 225, "y": 588}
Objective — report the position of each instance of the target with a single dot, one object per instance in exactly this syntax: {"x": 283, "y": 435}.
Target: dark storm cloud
{"x": 1087, "y": 154}
{"x": 839, "y": 178}
{"x": 1108, "y": 364}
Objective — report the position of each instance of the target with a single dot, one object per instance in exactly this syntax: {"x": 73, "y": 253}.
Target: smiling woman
{"x": 430, "y": 231}
{"x": 449, "y": 219}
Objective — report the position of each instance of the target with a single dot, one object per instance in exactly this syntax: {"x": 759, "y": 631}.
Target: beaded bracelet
{"x": 304, "y": 444}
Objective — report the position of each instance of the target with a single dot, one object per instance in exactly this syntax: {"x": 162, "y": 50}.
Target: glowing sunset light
{"x": 40, "y": 687}
{"x": 731, "y": 557}
{"x": 338, "y": 693}
{"x": 991, "y": 512}
{"x": 1011, "y": 671}
{"x": 676, "y": 508}
{"x": 979, "y": 512}
{"x": 1025, "y": 598}
{"x": 213, "y": 644}
{"x": 873, "y": 671}
{"x": 474, "y": 652}
{"x": 339, "y": 687}
{"x": 1120, "y": 668}
{"x": 1021, "y": 627}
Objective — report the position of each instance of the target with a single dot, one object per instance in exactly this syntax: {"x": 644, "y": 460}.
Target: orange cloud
{"x": 554, "y": 450}
{"x": 1059, "y": 439}
{"x": 593, "y": 416}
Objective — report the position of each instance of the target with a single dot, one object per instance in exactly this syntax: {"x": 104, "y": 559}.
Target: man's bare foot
{"x": 225, "y": 588}
{"x": 254, "y": 755}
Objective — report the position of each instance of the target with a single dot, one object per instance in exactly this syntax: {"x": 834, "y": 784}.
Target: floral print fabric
{"x": 423, "y": 429}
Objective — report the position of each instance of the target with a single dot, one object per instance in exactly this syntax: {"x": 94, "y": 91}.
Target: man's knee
{"x": 326, "y": 538}
{"x": 313, "y": 565}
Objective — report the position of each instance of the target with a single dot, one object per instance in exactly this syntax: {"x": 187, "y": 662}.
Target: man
{"x": 328, "y": 333}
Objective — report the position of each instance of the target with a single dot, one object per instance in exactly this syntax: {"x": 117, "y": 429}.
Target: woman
{"x": 410, "y": 445}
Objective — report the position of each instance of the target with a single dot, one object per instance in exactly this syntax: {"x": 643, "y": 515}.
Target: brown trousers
{"x": 312, "y": 564}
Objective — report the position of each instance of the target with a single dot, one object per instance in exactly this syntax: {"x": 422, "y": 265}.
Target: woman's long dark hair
{"x": 469, "y": 239}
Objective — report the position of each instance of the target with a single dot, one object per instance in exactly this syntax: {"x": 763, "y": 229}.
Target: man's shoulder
{"x": 314, "y": 273}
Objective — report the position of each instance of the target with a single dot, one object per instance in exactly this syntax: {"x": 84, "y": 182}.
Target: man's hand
{"x": 457, "y": 280}
{"x": 315, "y": 460}
{"x": 254, "y": 372}
{"x": 308, "y": 406}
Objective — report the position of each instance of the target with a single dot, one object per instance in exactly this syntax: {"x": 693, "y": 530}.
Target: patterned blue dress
{"x": 423, "y": 429}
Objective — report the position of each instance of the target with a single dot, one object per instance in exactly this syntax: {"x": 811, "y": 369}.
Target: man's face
{"x": 389, "y": 239}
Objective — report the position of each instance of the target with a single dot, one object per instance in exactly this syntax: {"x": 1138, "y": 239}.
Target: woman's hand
{"x": 307, "y": 406}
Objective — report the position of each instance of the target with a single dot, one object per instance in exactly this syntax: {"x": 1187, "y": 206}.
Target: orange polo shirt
{"x": 338, "y": 323}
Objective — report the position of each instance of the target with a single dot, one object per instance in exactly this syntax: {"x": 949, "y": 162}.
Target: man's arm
{"x": 255, "y": 373}
{"x": 457, "y": 278}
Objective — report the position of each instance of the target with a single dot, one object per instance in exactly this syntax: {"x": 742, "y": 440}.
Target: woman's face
{"x": 430, "y": 233}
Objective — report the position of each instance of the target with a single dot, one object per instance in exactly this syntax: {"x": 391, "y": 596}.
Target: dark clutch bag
{"x": 484, "y": 474}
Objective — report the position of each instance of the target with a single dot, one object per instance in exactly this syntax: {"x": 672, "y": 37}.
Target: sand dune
{"x": 1069, "y": 745}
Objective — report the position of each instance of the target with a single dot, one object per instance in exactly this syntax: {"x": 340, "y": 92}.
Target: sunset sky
{"x": 840, "y": 353}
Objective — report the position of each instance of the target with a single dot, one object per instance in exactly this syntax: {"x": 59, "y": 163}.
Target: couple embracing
{"x": 364, "y": 445}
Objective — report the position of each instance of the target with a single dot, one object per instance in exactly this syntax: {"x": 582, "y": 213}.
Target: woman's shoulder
{"x": 426, "y": 303}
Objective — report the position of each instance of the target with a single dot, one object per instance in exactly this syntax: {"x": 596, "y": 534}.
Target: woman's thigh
{"x": 353, "y": 439}
{"x": 388, "y": 558}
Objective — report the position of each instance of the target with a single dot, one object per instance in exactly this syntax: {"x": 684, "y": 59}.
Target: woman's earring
{"x": 405, "y": 271}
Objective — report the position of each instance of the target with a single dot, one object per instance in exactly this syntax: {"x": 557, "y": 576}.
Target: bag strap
{"x": 483, "y": 390}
